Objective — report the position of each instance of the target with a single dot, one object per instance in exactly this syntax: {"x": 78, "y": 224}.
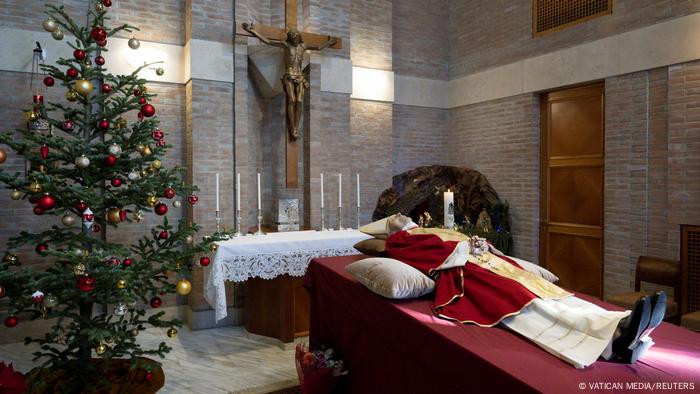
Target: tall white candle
{"x": 340, "y": 190}
{"x": 358, "y": 190}
{"x": 321, "y": 190}
{"x": 238, "y": 191}
{"x": 449, "y": 209}
{"x": 217, "y": 192}
{"x": 259, "y": 200}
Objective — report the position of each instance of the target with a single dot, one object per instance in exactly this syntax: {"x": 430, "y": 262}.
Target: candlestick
{"x": 259, "y": 200}
{"x": 323, "y": 220}
{"x": 340, "y": 217}
{"x": 259, "y": 232}
{"x": 340, "y": 190}
{"x": 321, "y": 190}
{"x": 218, "y": 221}
{"x": 238, "y": 191}
{"x": 217, "y": 195}
{"x": 449, "y": 209}
{"x": 358, "y": 217}
{"x": 239, "y": 219}
{"x": 358, "y": 190}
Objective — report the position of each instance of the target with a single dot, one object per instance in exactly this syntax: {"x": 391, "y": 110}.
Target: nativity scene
{"x": 364, "y": 196}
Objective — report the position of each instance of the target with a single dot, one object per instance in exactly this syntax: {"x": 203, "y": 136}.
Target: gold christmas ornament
{"x": 121, "y": 284}
{"x": 99, "y": 7}
{"x": 49, "y": 25}
{"x": 83, "y": 87}
{"x": 71, "y": 96}
{"x": 140, "y": 148}
{"x": 146, "y": 151}
{"x": 3, "y": 156}
{"x": 138, "y": 216}
{"x": 172, "y": 333}
{"x": 160, "y": 71}
{"x": 114, "y": 215}
{"x": 183, "y": 287}
{"x": 79, "y": 269}
{"x": 189, "y": 239}
{"x": 143, "y": 173}
{"x": 152, "y": 200}
{"x": 121, "y": 123}
{"x": 10, "y": 259}
{"x": 32, "y": 116}
{"x": 68, "y": 219}
{"x": 213, "y": 247}
{"x": 35, "y": 187}
{"x": 156, "y": 164}
{"x": 15, "y": 194}
{"x": 100, "y": 349}
{"x": 134, "y": 332}
{"x": 134, "y": 43}
{"x": 82, "y": 161}
{"x": 57, "y": 34}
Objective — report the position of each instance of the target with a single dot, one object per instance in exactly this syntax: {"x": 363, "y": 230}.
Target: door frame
{"x": 545, "y": 181}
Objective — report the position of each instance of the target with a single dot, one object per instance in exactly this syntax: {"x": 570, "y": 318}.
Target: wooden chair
{"x": 658, "y": 271}
{"x": 691, "y": 321}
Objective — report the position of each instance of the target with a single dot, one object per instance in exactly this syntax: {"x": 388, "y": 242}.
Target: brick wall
{"x": 500, "y": 139}
{"x": 420, "y": 137}
{"x": 371, "y": 32}
{"x": 485, "y": 34}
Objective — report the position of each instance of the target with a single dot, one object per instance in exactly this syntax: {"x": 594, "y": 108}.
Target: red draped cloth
{"x": 468, "y": 293}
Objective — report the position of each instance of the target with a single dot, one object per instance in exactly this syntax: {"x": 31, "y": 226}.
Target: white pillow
{"x": 391, "y": 278}
{"x": 535, "y": 269}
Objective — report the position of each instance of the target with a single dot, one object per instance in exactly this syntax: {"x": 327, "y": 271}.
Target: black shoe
{"x": 627, "y": 345}
{"x": 658, "y": 312}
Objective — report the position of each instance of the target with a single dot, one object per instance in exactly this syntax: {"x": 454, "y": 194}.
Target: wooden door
{"x": 571, "y": 231}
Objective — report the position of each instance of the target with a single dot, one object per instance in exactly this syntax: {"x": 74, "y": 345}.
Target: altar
{"x": 273, "y": 266}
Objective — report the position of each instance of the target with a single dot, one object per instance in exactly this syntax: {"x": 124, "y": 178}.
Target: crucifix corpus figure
{"x": 293, "y": 80}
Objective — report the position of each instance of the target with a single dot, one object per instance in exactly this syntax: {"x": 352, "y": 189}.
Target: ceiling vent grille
{"x": 553, "y": 15}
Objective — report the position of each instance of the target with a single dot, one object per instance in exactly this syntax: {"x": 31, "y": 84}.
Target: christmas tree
{"x": 95, "y": 169}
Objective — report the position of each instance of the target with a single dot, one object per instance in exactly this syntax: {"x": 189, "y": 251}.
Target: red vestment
{"x": 467, "y": 293}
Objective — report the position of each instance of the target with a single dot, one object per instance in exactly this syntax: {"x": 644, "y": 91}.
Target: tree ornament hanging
{"x": 81, "y": 206}
{"x": 103, "y": 124}
{"x": 142, "y": 100}
{"x": 49, "y": 81}
{"x": 107, "y": 3}
{"x": 99, "y": 60}
{"x": 183, "y": 287}
{"x": 86, "y": 283}
{"x": 192, "y": 199}
{"x": 72, "y": 96}
{"x": 68, "y": 125}
{"x": 35, "y": 187}
{"x": 99, "y": 7}
{"x": 204, "y": 261}
{"x": 37, "y": 297}
{"x": 121, "y": 283}
{"x": 38, "y": 211}
{"x": 157, "y": 135}
{"x": 152, "y": 200}
{"x": 106, "y": 88}
{"x": 68, "y": 220}
{"x": 148, "y": 110}
{"x": 2, "y": 291}
{"x": 100, "y": 349}
{"x": 50, "y": 301}
{"x": 42, "y": 248}
{"x": 116, "y": 181}
{"x": 169, "y": 192}
{"x": 134, "y": 43}
{"x": 88, "y": 216}
{"x": 110, "y": 160}
{"x": 15, "y": 194}
{"x": 57, "y": 34}
{"x": 49, "y": 25}
{"x": 156, "y": 302}
{"x": 114, "y": 149}
{"x": 160, "y": 72}
{"x": 10, "y": 259}
{"x": 163, "y": 235}
{"x": 114, "y": 215}
{"x": 44, "y": 150}
{"x": 177, "y": 204}
{"x": 128, "y": 261}
{"x": 120, "y": 309}
{"x": 137, "y": 92}
{"x": 3, "y": 155}
{"x": 46, "y": 202}
{"x": 156, "y": 164}
{"x": 79, "y": 54}
{"x": 160, "y": 209}
{"x": 83, "y": 87}
{"x": 96, "y": 228}
{"x": 172, "y": 332}
{"x": 82, "y": 161}
{"x": 79, "y": 269}
{"x": 98, "y": 34}
{"x": 133, "y": 175}
{"x": 72, "y": 72}
{"x": 102, "y": 43}
{"x": 138, "y": 216}
{"x": 11, "y": 321}
{"x": 189, "y": 239}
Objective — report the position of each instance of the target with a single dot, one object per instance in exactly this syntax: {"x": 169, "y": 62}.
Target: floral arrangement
{"x": 318, "y": 370}
{"x": 11, "y": 382}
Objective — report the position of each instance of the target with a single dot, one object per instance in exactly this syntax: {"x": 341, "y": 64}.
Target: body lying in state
{"x": 476, "y": 284}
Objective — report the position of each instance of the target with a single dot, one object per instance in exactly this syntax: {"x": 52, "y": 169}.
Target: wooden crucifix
{"x": 295, "y": 45}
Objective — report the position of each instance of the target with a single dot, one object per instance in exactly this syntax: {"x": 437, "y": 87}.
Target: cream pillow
{"x": 391, "y": 278}
{"x": 536, "y": 269}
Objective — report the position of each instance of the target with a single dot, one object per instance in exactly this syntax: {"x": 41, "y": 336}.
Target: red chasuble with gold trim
{"x": 466, "y": 293}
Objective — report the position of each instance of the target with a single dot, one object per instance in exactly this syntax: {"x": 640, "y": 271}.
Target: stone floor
{"x": 220, "y": 360}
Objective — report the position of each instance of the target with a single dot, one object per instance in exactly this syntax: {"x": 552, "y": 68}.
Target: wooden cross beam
{"x": 311, "y": 40}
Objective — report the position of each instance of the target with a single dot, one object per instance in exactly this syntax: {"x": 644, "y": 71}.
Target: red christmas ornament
{"x": 169, "y": 192}
{"x": 98, "y": 33}
{"x": 149, "y": 376}
{"x": 38, "y": 99}
{"x": 137, "y": 92}
{"x": 148, "y": 110}
{"x": 192, "y": 199}
{"x": 81, "y": 206}
{"x": 122, "y": 215}
{"x": 163, "y": 235}
{"x": 107, "y": 3}
{"x": 49, "y": 81}
{"x": 68, "y": 125}
{"x": 86, "y": 283}
{"x": 127, "y": 262}
{"x": 12, "y": 321}
{"x": 88, "y": 217}
{"x": 33, "y": 199}
{"x": 44, "y": 150}
{"x": 46, "y": 202}
{"x": 142, "y": 100}
{"x": 113, "y": 261}
{"x": 157, "y": 134}
{"x": 160, "y": 143}
{"x": 38, "y": 211}
{"x": 110, "y": 160}
{"x": 96, "y": 228}
{"x": 156, "y": 302}
{"x": 104, "y": 124}
{"x": 106, "y": 88}
{"x": 204, "y": 261}
{"x": 161, "y": 209}
{"x": 37, "y": 297}
{"x": 41, "y": 248}
{"x": 140, "y": 116}
{"x": 2, "y": 291}
{"x": 102, "y": 43}
{"x": 99, "y": 60}
{"x": 79, "y": 54}
{"x": 116, "y": 182}
{"x": 72, "y": 72}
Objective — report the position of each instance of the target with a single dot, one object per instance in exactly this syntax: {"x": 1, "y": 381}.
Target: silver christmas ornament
{"x": 189, "y": 239}
{"x": 49, "y": 25}
{"x": 133, "y": 175}
{"x": 160, "y": 71}
{"x": 68, "y": 219}
{"x": 114, "y": 149}
{"x": 50, "y": 301}
{"x": 82, "y": 161}
{"x": 177, "y": 203}
{"x": 134, "y": 43}
{"x": 120, "y": 309}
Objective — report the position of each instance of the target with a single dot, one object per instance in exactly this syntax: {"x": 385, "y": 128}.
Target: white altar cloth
{"x": 268, "y": 256}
